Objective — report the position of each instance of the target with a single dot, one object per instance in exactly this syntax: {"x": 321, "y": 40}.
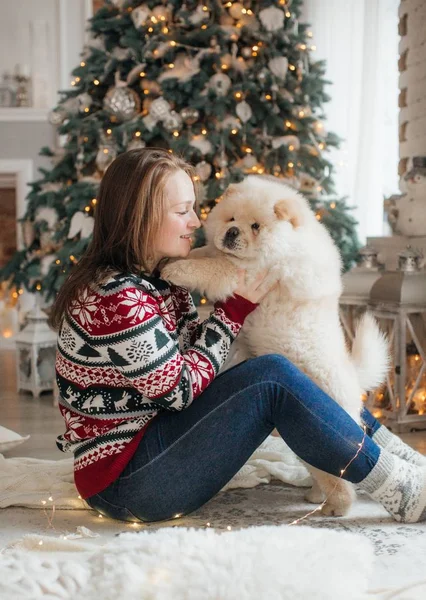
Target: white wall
{"x": 45, "y": 35}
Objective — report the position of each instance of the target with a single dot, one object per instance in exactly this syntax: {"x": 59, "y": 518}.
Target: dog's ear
{"x": 286, "y": 211}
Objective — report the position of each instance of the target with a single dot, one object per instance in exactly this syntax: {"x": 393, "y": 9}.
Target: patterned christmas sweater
{"x": 127, "y": 350}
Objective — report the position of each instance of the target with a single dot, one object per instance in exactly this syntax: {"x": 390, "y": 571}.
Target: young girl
{"x": 154, "y": 430}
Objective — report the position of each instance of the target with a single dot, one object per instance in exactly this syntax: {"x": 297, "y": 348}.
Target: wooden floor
{"x": 43, "y": 422}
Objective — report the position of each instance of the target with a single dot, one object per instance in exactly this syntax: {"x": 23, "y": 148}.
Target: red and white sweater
{"x": 127, "y": 350}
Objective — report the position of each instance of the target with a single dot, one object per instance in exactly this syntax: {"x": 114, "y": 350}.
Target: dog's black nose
{"x": 231, "y": 234}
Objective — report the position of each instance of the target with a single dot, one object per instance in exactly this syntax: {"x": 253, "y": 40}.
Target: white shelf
{"x": 23, "y": 114}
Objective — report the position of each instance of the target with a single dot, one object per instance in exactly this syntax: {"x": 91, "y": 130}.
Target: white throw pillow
{"x": 9, "y": 439}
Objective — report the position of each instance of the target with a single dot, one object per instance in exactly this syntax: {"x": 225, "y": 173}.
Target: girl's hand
{"x": 257, "y": 289}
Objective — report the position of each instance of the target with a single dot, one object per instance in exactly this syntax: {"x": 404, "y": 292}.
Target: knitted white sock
{"x": 399, "y": 486}
{"x": 393, "y": 444}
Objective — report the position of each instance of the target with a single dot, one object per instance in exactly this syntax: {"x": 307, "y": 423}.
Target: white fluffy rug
{"x": 276, "y": 563}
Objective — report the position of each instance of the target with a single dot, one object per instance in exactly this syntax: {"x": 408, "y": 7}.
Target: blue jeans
{"x": 185, "y": 458}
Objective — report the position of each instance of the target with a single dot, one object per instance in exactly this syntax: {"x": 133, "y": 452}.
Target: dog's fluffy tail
{"x": 370, "y": 353}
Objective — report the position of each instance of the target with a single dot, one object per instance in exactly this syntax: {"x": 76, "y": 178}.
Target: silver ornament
{"x": 190, "y": 115}
{"x": 246, "y": 52}
{"x": 173, "y": 121}
{"x": 122, "y": 102}
{"x": 160, "y": 108}
{"x": 221, "y": 83}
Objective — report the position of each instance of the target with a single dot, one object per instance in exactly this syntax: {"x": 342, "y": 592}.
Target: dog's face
{"x": 253, "y": 215}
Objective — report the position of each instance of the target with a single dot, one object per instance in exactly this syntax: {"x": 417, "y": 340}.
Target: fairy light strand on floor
{"x": 342, "y": 472}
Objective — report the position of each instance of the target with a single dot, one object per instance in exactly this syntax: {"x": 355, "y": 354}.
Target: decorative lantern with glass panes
{"x": 398, "y": 301}
{"x": 36, "y": 351}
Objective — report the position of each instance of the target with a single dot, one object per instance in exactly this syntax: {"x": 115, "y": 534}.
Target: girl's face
{"x": 179, "y": 219}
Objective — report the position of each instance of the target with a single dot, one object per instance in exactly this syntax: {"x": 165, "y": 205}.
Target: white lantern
{"x": 398, "y": 301}
{"x": 36, "y": 352}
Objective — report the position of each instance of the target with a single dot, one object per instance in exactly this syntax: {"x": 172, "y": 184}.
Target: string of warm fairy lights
{"x": 136, "y": 524}
{"x": 342, "y": 472}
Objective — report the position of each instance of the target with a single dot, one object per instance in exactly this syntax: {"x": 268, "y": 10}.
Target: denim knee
{"x": 276, "y": 367}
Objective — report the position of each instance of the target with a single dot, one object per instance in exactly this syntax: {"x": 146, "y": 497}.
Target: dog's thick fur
{"x": 264, "y": 224}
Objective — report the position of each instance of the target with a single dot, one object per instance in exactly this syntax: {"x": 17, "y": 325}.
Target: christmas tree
{"x": 231, "y": 86}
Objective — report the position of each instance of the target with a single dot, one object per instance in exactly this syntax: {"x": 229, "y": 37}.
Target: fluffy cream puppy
{"x": 260, "y": 224}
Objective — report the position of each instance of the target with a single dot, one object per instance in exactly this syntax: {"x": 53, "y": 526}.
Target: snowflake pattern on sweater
{"x": 127, "y": 350}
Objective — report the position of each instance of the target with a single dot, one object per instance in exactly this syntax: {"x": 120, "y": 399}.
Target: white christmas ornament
{"x": 220, "y": 83}
{"x": 48, "y": 214}
{"x": 272, "y": 18}
{"x": 244, "y": 111}
{"x": 203, "y": 145}
{"x": 81, "y": 224}
{"x": 140, "y": 15}
{"x": 158, "y": 111}
{"x": 279, "y": 66}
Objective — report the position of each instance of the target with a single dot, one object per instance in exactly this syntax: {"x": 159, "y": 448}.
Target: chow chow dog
{"x": 262, "y": 224}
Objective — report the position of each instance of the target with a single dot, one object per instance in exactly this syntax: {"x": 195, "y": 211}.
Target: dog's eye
{"x": 232, "y": 219}
{"x": 255, "y": 226}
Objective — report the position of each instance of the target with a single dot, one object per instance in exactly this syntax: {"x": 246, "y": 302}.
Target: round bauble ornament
{"x": 220, "y": 83}
{"x": 122, "y": 102}
{"x": 189, "y": 115}
{"x": 160, "y": 109}
{"x": 246, "y": 52}
{"x": 173, "y": 121}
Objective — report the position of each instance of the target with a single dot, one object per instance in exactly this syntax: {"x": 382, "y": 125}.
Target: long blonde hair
{"x": 129, "y": 212}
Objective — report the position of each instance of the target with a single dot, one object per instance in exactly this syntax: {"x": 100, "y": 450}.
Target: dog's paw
{"x": 339, "y": 501}
{"x": 314, "y": 495}
{"x": 180, "y": 272}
